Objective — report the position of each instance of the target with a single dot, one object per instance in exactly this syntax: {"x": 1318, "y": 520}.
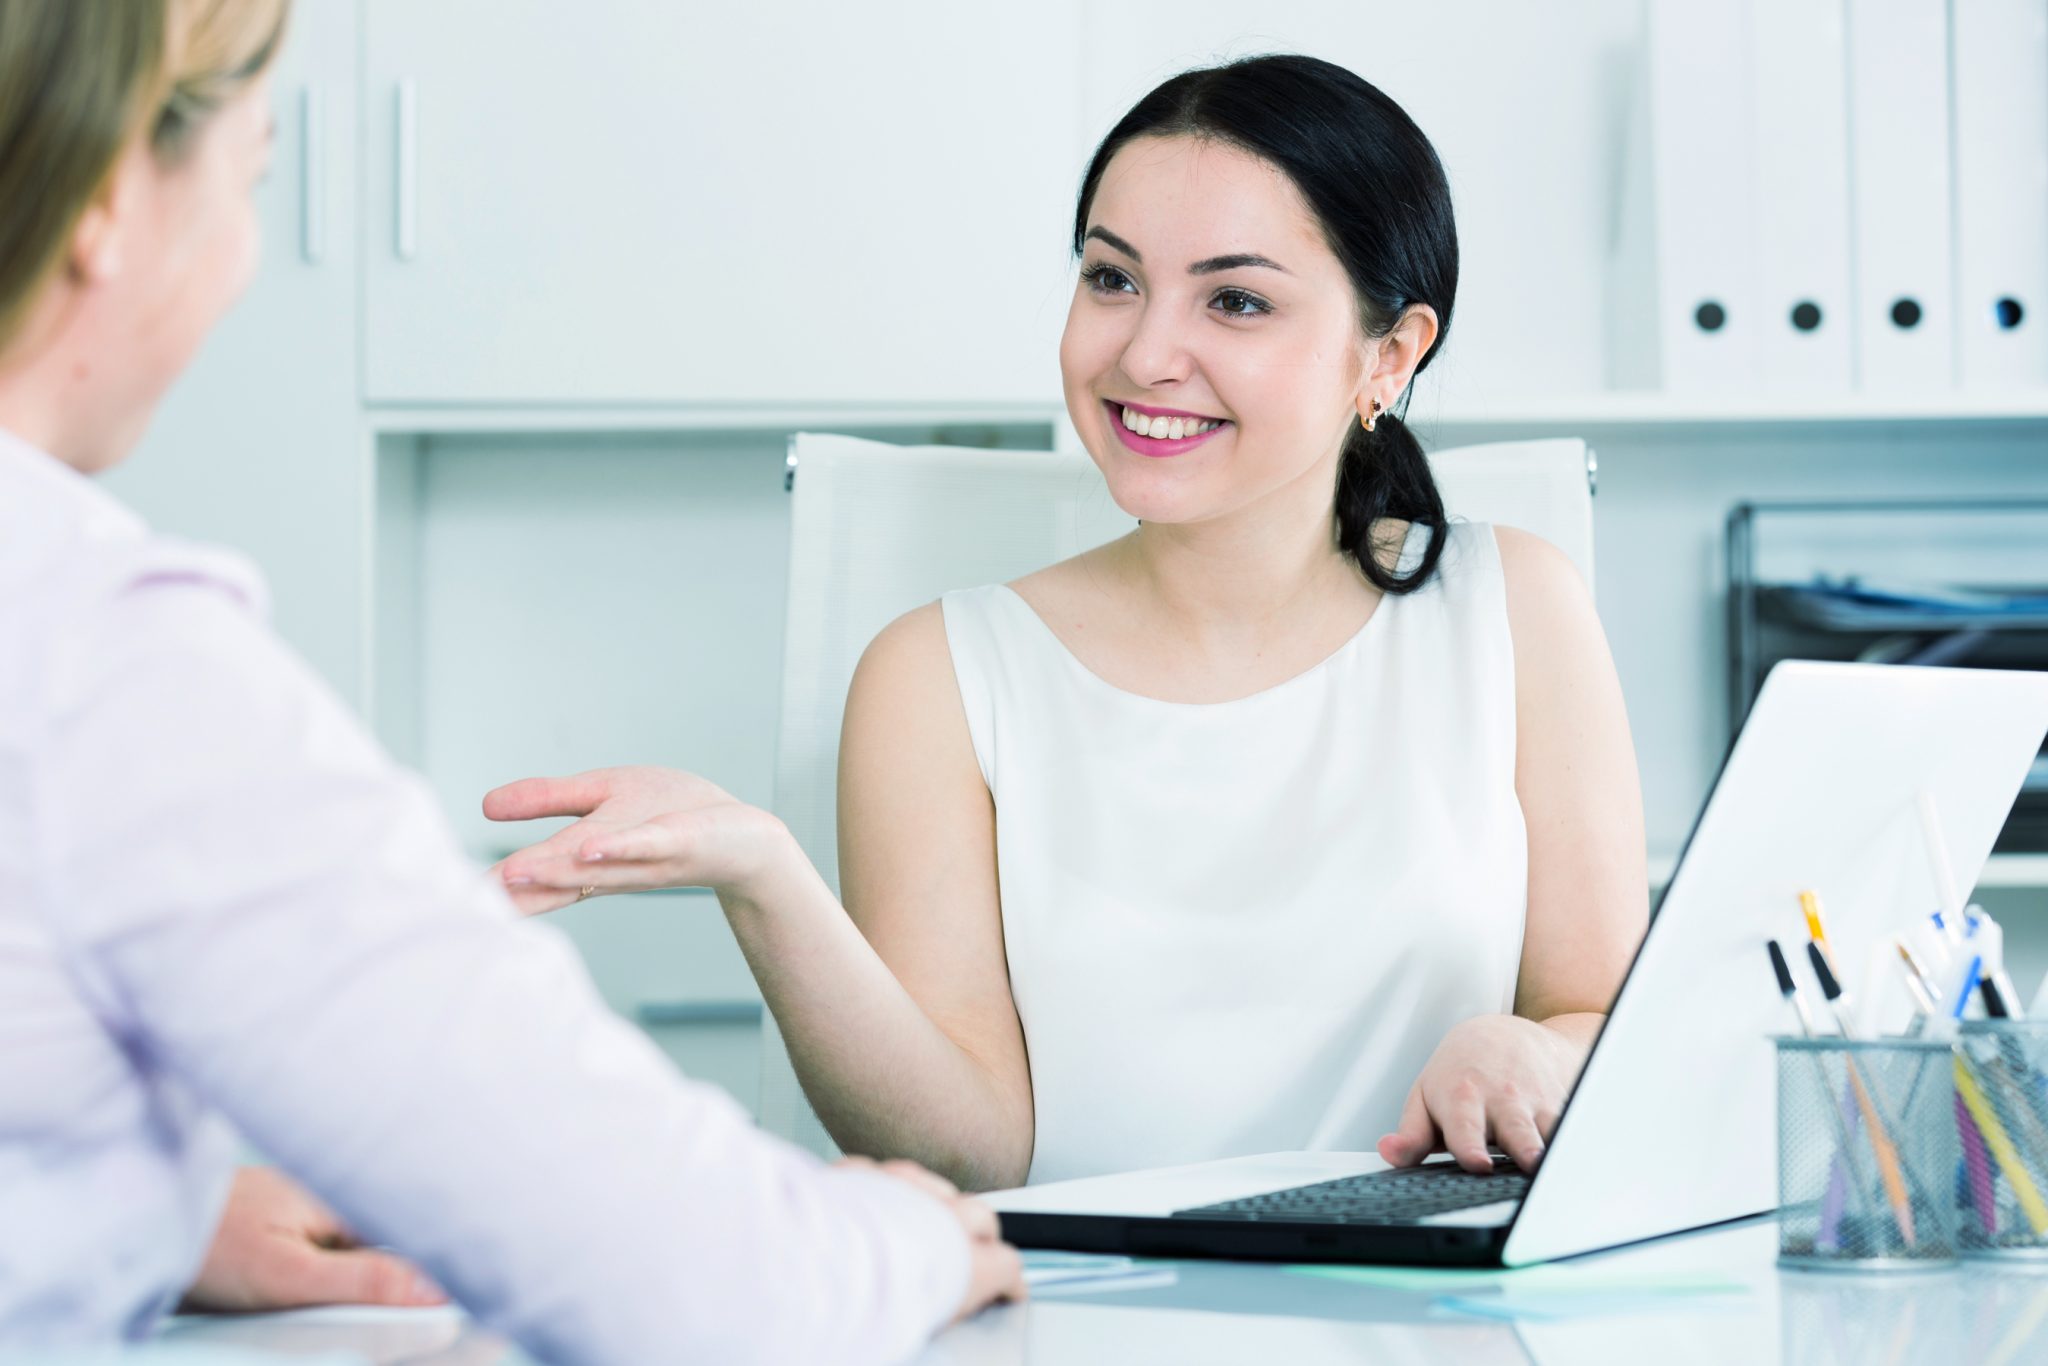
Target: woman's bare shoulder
{"x": 909, "y": 652}
{"x": 1063, "y": 590}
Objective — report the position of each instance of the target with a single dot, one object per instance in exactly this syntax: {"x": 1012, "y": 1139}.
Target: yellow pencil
{"x": 2001, "y": 1147}
{"x": 1809, "y": 903}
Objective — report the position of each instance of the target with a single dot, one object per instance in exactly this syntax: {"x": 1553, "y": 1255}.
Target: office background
{"x": 548, "y": 286}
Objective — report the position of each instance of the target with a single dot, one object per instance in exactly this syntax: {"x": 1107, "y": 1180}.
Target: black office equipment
{"x": 1960, "y": 582}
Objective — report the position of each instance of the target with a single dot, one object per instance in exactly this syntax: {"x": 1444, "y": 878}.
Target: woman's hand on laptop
{"x": 639, "y": 828}
{"x": 1496, "y": 1079}
{"x": 997, "y": 1274}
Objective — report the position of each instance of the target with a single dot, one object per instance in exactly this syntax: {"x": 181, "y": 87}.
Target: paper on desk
{"x": 1518, "y": 1302}
{"x": 1081, "y": 1272}
{"x": 1547, "y": 1277}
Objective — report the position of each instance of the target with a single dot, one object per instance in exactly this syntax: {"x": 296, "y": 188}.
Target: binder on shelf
{"x": 1798, "y": 128}
{"x": 1900, "y": 195}
{"x": 1708, "y": 320}
{"x": 1998, "y": 84}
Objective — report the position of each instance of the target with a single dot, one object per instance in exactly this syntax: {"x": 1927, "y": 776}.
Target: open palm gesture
{"x": 637, "y": 829}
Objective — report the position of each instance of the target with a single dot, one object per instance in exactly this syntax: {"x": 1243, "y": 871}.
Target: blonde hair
{"x": 80, "y": 79}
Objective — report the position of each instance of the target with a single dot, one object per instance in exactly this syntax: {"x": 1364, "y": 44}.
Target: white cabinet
{"x": 259, "y": 445}
{"x": 628, "y": 201}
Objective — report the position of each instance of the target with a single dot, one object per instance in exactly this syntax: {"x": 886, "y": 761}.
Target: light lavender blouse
{"x": 223, "y": 908}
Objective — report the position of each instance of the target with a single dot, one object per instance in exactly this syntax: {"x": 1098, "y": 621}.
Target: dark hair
{"x": 1379, "y": 193}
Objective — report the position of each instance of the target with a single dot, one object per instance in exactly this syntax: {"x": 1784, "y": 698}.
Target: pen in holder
{"x": 1867, "y": 1151}
{"x": 2000, "y": 1181}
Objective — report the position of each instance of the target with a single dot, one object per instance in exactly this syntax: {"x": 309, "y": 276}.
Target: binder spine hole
{"x": 1710, "y": 316}
{"x": 1806, "y": 315}
{"x": 2008, "y": 313}
{"x": 1906, "y": 314}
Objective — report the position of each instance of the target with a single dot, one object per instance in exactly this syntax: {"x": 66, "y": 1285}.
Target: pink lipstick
{"x": 1158, "y": 447}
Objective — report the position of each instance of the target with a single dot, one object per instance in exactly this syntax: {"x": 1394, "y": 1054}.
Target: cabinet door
{"x": 259, "y": 445}
{"x": 670, "y": 201}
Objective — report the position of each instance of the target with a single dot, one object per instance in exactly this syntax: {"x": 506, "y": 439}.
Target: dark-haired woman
{"x": 1295, "y": 817}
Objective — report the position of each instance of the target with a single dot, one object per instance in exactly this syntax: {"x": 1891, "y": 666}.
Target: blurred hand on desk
{"x": 277, "y": 1247}
{"x": 997, "y": 1275}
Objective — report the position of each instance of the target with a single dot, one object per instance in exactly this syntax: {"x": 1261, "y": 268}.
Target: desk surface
{"x": 1713, "y": 1297}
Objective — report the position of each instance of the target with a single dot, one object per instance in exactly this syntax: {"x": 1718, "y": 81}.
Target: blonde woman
{"x": 223, "y": 910}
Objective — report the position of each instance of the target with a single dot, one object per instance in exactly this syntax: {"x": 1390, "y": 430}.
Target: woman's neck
{"x": 1275, "y": 563}
{"x": 58, "y": 392}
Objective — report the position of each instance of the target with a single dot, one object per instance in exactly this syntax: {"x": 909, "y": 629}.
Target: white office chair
{"x": 878, "y": 530}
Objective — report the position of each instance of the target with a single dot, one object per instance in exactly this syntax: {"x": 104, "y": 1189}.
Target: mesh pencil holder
{"x": 2000, "y": 1183}
{"x": 1867, "y": 1149}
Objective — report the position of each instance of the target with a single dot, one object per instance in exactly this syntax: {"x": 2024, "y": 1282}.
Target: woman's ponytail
{"x": 1384, "y": 474}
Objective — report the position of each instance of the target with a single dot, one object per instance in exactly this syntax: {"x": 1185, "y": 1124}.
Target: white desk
{"x": 1232, "y": 1312}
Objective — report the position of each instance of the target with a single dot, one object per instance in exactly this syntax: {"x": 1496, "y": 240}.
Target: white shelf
{"x": 1645, "y": 409}
{"x": 671, "y": 417}
{"x": 1613, "y": 409}
{"x": 2003, "y": 870}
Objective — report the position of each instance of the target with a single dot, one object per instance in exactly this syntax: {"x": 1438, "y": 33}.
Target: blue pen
{"x": 1969, "y": 986}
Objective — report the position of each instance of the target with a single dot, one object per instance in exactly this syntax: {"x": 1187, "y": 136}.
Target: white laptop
{"x": 1672, "y": 1123}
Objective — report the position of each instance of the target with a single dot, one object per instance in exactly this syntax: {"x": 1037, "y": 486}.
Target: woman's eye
{"x": 1108, "y": 280}
{"x": 1239, "y": 304}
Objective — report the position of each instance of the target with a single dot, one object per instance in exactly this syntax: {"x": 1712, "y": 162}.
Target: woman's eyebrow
{"x": 1207, "y": 266}
{"x": 1211, "y": 265}
{"x": 1126, "y": 248}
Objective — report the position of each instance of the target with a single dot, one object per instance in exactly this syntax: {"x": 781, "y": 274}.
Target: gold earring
{"x": 1370, "y": 422}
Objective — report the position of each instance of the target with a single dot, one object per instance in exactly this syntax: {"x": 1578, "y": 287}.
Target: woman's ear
{"x": 1396, "y": 355}
{"x": 99, "y": 239}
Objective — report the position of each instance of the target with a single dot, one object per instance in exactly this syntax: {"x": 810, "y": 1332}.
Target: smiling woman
{"x": 1371, "y": 194}
{"x": 1297, "y": 818}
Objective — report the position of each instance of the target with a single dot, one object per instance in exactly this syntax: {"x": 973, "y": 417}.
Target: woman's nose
{"x": 1157, "y": 352}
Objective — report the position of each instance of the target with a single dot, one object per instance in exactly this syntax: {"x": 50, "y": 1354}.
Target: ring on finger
{"x": 587, "y": 892}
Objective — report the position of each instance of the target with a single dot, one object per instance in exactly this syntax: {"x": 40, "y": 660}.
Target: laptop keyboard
{"x": 1396, "y": 1196}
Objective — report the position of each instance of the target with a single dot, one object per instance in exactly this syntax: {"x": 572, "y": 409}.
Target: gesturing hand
{"x": 1495, "y": 1077}
{"x": 641, "y": 828}
{"x": 997, "y": 1272}
{"x": 276, "y": 1247}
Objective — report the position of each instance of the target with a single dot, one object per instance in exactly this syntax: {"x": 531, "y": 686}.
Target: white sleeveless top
{"x": 1243, "y": 927}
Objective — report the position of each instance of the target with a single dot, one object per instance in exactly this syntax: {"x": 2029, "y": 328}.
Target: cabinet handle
{"x": 312, "y": 176}
{"x": 406, "y": 232}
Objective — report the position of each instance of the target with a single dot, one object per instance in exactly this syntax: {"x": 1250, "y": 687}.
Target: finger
{"x": 1546, "y": 1121}
{"x": 306, "y": 1275}
{"x": 1415, "y": 1137}
{"x": 1514, "y": 1130}
{"x": 655, "y": 840}
{"x": 541, "y": 900}
{"x": 531, "y": 798}
{"x": 978, "y": 1219}
{"x": 1461, "y": 1113}
{"x": 518, "y": 868}
{"x": 996, "y": 1275}
{"x": 561, "y": 873}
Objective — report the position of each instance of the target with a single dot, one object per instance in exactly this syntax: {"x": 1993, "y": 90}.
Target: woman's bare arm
{"x": 1504, "y": 1078}
{"x": 917, "y": 864}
